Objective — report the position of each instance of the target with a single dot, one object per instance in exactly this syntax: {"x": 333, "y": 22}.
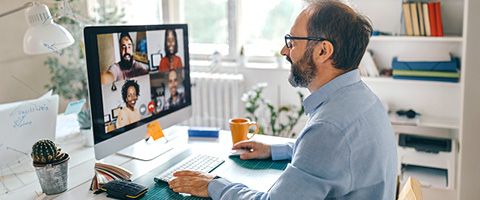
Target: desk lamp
{"x": 43, "y": 35}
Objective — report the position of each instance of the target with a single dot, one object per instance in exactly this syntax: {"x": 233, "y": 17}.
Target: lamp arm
{"x": 26, "y": 5}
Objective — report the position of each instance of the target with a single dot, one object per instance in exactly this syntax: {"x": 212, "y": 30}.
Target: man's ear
{"x": 324, "y": 51}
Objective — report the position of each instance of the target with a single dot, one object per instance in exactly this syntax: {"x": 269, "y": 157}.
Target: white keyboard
{"x": 198, "y": 162}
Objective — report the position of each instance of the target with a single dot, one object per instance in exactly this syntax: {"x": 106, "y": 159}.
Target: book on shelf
{"x": 417, "y": 78}
{"x": 105, "y": 173}
{"x": 421, "y": 24}
{"x": 422, "y": 18}
{"x": 426, "y": 73}
{"x": 445, "y": 66}
{"x": 438, "y": 19}
{"x": 407, "y": 17}
{"x": 445, "y": 71}
{"x": 432, "y": 18}
{"x": 426, "y": 19}
{"x": 415, "y": 24}
{"x": 437, "y": 55}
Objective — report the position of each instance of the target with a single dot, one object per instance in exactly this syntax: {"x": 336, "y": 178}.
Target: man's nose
{"x": 284, "y": 51}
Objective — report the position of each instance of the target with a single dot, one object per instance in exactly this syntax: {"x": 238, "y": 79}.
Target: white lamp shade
{"x": 43, "y": 35}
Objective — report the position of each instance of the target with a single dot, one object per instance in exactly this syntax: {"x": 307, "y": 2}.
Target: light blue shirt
{"x": 347, "y": 150}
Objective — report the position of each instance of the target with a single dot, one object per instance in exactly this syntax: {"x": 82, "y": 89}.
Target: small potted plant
{"x": 279, "y": 59}
{"x": 279, "y": 120}
{"x": 85, "y": 123}
{"x": 51, "y": 166}
{"x": 242, "y": 59}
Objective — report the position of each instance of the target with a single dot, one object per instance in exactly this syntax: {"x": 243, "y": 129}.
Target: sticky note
{"x": 74, "y": 107}
{"x": 154, "y": 130}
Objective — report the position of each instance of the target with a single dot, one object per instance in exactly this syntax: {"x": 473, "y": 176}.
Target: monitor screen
{"x": 136, "y": 74}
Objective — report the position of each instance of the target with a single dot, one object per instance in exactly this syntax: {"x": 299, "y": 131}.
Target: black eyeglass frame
{"x": 289, "y": 37}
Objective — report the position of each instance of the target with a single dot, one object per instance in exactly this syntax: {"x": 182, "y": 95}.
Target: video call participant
{"x": 176, "y": 98}
{"x": 158, "y": 94}
{"x": 170, "y": 61}
{"x": 127, "y": 67}
{"x": 129, "y": 114}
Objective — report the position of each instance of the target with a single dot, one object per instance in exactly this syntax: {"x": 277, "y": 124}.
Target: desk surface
{"x": 24, "y": 184}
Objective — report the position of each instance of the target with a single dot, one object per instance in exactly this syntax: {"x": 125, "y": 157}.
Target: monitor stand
{"x": 148, "y": 149}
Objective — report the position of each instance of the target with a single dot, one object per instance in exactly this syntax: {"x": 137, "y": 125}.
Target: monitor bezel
{"x": 95, "y": 86}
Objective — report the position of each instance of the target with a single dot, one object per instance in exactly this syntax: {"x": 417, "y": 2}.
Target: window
{"x": 142, "y": 11}
{"x": 227, "y": 25}
{"x": 265, "y": 23}
{"x": 135, "y": 12}
{"x": 220, "y": 25}
{"x": 208, "y": 25}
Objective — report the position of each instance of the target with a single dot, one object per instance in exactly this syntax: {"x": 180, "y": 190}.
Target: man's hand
{"x": 255, "y": 150}
{"x": 191, "y": 182}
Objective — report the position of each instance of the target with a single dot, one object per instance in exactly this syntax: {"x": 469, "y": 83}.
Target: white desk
{"x": 24, "y": 184}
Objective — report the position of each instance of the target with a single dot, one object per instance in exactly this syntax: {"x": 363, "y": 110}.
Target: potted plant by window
{"x": 277, "y": 120}
{"x": 51, "y": 166}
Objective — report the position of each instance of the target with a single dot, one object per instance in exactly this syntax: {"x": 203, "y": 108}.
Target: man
{"x": 170, "y": 61}
{"x": 347, "y": 148}
{"x": 129, "y": 114}
{"x": 127, "y": 67}
{"x": 176, "y": 98}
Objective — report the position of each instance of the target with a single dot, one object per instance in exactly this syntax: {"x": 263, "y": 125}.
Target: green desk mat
{"x": 160, "y": 191}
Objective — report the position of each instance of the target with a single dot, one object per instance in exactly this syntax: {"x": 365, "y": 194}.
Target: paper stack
{"x": 367, "y": 66}
{"x": 105, "y": 173}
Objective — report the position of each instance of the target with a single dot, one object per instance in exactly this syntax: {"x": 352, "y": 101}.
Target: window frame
{"x": 172, "y": 13}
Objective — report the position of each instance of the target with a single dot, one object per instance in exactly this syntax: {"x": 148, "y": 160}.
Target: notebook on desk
{"x": 233, "y": 169}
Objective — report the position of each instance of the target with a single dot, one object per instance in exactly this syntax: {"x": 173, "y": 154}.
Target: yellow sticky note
{"x": 154, "y": 130}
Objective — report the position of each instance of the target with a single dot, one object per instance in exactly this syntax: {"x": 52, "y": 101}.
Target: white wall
{"x": 22, "y": 76}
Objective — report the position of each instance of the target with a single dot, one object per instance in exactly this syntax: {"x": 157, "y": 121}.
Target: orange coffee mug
{"x": 239, "y": 128}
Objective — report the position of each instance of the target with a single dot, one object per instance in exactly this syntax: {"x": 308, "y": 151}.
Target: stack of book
{"x": 105, "y": 173}
{"x": 444, "y": 69}
{"x": 423, "y": 18}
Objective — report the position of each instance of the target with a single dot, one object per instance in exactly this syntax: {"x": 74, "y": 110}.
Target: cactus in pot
{"x": 46, "y": 152}
{"x": 51, "y": 166}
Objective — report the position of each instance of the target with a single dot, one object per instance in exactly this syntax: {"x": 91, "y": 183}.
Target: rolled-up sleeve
{"x": 281, "y": 151}
{"x": 320, "y": 168}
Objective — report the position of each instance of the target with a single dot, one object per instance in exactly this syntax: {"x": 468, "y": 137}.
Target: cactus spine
{"x": 45, "y": 152}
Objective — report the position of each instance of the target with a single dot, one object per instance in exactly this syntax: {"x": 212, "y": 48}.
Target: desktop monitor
{"x": 136, "y": 74}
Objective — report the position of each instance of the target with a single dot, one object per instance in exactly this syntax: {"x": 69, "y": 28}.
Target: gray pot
{"x": 53, "y": 177}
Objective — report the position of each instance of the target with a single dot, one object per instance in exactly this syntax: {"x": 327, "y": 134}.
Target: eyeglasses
{"x": 289, "y": 38}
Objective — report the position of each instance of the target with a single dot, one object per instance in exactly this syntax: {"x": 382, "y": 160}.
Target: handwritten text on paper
{"x": 20, "y": 115}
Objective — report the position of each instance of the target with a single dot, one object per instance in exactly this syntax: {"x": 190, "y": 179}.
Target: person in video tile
{"x": 127, "y": 67}
{"x": 129, "y": 114}
{"x": 176, "y": 98}
{"x": 170, "y": 61}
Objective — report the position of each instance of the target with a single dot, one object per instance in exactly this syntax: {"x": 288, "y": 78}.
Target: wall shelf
{"x": 390, "y": 80}
{"x": 416, "y": 39}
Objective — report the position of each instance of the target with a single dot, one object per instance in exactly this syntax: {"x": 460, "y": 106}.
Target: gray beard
{"x": 302, "y": 77}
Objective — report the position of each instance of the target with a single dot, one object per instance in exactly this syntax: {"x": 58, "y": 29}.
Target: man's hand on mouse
{"x": 255, "y": 150}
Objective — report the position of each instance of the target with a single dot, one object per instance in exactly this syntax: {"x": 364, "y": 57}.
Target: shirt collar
{"x": 312, "y": 102}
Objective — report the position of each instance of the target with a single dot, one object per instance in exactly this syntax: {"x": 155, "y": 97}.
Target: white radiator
{"x": 215, "y": 99}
